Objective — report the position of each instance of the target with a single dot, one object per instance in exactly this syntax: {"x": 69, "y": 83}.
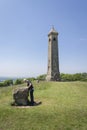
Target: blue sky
{"x": 24, "y": 25}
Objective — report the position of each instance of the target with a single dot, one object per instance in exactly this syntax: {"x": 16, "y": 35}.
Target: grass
{"x": 64, "y": 107}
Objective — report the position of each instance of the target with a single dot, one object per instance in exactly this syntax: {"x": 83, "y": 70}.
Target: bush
{"x": 41, "y": 77}
{"x": 31, "y": 79}
{"x": 74, "y": 77}
{"x": 1, "y": 84}
{"x": 8, "y": 82}
{"x": 18, "y": 81}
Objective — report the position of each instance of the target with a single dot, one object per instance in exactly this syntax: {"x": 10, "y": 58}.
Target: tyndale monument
{"x": 53, "y": 73}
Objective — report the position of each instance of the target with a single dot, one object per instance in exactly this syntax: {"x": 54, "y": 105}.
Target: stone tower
{"x": 53, "y": 73}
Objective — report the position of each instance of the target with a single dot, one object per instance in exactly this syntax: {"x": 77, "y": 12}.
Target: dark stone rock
{"x": 20, "y": 96}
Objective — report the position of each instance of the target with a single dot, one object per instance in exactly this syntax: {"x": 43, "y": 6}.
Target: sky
{"x": 24, "y": 28}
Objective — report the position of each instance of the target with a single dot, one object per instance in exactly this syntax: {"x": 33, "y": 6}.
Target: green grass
{"x": 64, "y": 107}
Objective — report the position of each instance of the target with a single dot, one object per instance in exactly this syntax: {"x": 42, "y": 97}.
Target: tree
{"x": 41, "y": 77}
{"x": 18, "y": 81}
{"x": 8, "y": 82}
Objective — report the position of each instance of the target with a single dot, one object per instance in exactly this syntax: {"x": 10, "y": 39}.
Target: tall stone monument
{"x": 53, "y": 73}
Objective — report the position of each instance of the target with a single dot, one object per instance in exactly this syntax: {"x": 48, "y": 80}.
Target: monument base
{"x": 56, "y": 77}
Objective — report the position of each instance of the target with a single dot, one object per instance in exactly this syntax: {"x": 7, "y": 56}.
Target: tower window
{"x": 49, "y": 39}
{"x": 54, "y": 39}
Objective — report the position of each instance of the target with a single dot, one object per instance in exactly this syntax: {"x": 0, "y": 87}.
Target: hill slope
{"x": 64, "y": 107}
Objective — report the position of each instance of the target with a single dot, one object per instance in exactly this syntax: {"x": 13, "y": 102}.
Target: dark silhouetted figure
{"x": 31, "y": 90}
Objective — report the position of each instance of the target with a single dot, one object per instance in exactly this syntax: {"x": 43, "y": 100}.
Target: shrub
{"x": 31, "y": 79}
{"x": 1, "y": 84}
{"x": 41, "y": 77}
{"x": 74, "y": 77}
{"x": 18, "y": 81}
{"x": 8, "y": 82}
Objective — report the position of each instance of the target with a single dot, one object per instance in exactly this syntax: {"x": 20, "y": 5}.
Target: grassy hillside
{"x": 64, "y": 107}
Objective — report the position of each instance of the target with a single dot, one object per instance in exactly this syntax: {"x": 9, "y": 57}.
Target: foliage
{"x": 41, "y": 77}
{"x": 6, "y": 83}
{"x": 64, "y": 77}
{"x": 1, "y": 84}
{"x": 31, "y": 79}
{"x": 74, "y": 77}
{"x": 64, "y": 107}
{"x": 68, "y": 77}
{"x": 18, "y": 81}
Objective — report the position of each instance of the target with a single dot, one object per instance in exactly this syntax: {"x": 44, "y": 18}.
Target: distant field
{"x": 64, "y": 107}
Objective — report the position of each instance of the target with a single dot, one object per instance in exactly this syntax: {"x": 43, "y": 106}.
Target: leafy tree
{"x": 8, "y": 82}
{"x": 1, "y": 84}
{"x": 18, "y": 81}
{"x": 74, "y": 77}
{"x": 41, "y": 77}
{"x": 31, "y": 79}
